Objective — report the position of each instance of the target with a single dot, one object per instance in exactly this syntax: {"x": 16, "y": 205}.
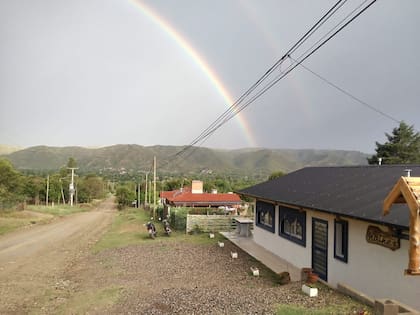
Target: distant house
{"x": 330, "y": 219}
{"x": 194, "y": 196}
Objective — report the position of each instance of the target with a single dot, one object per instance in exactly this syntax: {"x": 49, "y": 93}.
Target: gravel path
{"x": 165, "y": 277}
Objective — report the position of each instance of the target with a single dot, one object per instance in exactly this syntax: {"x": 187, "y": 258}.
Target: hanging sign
{"x": 375, "y": 235}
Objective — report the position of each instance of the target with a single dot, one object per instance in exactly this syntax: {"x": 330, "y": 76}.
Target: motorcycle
{"x": 151, "y": 229}
{"x": 166, "y": 227}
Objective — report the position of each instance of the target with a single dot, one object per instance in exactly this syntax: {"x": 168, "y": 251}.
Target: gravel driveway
{"x": 164, "y": 277}
{"x": 52, "y": 270}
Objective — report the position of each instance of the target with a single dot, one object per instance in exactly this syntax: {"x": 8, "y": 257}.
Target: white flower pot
{"x": 255, "y": 271}
{"x": 312, "y": 292}
{"x": 234, "y": 255}
{"x": 221, "y": 244}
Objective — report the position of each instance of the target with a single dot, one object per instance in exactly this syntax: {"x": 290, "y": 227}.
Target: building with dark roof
{"x": 330, "y": 219}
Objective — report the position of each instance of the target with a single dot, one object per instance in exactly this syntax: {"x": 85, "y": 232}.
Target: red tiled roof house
{"x": 195, "y": 197}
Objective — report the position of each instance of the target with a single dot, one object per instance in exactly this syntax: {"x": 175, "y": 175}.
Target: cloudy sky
{"x": 102, "y": 72}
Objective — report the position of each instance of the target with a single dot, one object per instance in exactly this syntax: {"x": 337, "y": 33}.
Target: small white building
{"x": 330, "y": 219}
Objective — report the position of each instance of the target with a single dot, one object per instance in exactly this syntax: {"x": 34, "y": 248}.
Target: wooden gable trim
{"x": 408, "y": 188}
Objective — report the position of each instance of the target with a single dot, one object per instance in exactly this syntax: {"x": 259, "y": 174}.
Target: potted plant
{"x": 312, "y": 277}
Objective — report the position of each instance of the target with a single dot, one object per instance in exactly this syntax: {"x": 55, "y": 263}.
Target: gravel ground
{"x": 165, "y": 277}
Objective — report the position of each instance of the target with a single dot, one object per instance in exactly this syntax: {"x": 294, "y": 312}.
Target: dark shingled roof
{"x": 353, "y": 191}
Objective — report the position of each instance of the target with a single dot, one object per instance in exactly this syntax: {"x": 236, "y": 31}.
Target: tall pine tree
{"x": 402, "y": 147}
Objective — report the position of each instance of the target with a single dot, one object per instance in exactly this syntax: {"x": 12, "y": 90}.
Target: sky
{"x": 102, "y": 72}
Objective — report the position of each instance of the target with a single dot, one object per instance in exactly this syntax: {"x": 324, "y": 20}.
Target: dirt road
{"x": 33, "y": 261}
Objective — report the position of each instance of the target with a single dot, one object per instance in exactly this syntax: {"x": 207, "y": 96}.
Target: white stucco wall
{"x": 293, "y": 253}
{"x": 372, "y": 269}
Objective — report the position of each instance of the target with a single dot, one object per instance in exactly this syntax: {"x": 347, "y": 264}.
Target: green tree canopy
{"x": 90, "y": 187}
{"x": 402, "y": 147}
{"x": 275, "y": 175}
{"x": 72, "y": 162}
{"x": 125, "y": 195}
{"x": 11, "y": 184}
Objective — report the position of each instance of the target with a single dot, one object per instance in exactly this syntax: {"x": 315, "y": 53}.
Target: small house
{"x": 195, "y": 197}
{"x": 330, "y": 219}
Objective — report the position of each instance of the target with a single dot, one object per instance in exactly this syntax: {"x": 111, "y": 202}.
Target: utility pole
{"x": 145, "y": 193}
{"x": 154, "y": 186}
{"x": 71, "y": 186}
{"x": 62, "y": 191}
{"x": 148, "y": 195}
{"x": 138, "y": 195}
{"x": 48, "y": 188}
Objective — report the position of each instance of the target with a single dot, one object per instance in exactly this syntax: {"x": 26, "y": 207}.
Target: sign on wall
{"x": 375, "y": 235}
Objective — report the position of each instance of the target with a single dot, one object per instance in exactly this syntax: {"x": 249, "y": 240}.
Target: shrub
{"x": 178, "y": 218}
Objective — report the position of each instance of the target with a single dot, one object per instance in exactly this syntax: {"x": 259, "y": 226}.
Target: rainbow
{"x": 198, "y": 60}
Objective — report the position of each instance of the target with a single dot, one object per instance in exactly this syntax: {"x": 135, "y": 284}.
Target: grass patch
{"x": 9, "y": 224}
{"x": 127, "y": 229}
{"x": 59, "y": 210}
{"x": 13, "y": 220}
{"x": 93, "y": 300}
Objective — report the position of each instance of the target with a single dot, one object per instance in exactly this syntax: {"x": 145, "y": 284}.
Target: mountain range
{"x": 131, "y": 157}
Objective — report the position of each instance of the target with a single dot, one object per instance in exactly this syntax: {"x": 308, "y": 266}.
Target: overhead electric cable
{"x": 290, "y": 69}
{"x": 346, "y": 92}
{"x": 233, "y": 107}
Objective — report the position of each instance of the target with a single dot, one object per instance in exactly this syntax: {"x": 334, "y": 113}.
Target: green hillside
{"x": 196, "y": 160}
{"x": 7, "y": 149}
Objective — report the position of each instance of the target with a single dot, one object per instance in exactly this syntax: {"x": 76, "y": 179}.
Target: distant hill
{"x": 197, "y": 160}
{"x": 7, "y": 149}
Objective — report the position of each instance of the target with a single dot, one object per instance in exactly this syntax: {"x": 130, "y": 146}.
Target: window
{"x": 341, "y": 240}
{"x": 293, "y": 225}
{"x": 265, "y": 215}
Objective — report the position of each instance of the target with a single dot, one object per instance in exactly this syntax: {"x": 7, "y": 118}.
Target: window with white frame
{"x": 341, "y": 240}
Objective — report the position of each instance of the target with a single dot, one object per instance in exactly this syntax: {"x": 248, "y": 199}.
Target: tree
{"x": 275, "y": 175}
{"x": 402, "y": 147}
{"x": 90, "y": 187}
{"x": 11, "y": 184}
{"x": 125, "y": 196}
{"x": 71, "y": 163}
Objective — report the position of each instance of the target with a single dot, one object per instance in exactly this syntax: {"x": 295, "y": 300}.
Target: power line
{"x": 284, "y": 74}
{"x": 347, "y": 93}
{"x": 233, "y": 107}
{"x": 236, "y": 108}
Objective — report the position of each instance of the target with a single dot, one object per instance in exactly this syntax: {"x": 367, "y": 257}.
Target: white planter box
{"x": 255, "y": 271}
{"x": 312, "y": 292}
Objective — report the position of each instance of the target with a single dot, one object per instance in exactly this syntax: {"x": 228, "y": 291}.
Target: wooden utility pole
{"x": 62, "y": 192}
{"x": 154, "y": 186}
{"x": 138, "y": 195}
{"x": 149, "y": 193}
{"x": 48, "y": 188}
{"x": 145, "y": 193}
